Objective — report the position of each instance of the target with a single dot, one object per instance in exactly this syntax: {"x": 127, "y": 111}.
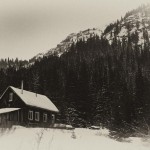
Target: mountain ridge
{"x": 135, "y": 22}
{"x": 64, "y": 45}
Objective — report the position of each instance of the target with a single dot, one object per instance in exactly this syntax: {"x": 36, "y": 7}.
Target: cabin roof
{"x": 30, "y": 98}
{"x": 6, "y": 110}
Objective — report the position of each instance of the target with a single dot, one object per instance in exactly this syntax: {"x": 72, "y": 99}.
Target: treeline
{"x": 143, "y": 8}
{"x": 6, "y": 63}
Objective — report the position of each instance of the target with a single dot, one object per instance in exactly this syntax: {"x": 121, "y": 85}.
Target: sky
{"x": 28, "y": 27}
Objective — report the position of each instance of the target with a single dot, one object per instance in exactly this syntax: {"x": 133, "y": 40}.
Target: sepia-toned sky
{"x": 28, "y": 27}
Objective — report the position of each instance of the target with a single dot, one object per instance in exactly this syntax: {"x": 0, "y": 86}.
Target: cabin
{"x": 21, "y": 107}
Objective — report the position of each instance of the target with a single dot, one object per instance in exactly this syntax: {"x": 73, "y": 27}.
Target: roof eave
{"x": 43, "y": 108}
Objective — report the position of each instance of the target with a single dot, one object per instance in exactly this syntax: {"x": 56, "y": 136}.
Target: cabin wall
{"x": 9, "y": 119}
{"x": 21, "y": 117}
{"x": 15, "y": 103}
{"x": 50, "y": 120}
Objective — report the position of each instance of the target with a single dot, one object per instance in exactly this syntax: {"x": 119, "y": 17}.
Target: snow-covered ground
{"x": 20, "y": 138}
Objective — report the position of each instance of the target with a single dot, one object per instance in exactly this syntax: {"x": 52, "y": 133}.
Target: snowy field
{"x": 20, "y": 138}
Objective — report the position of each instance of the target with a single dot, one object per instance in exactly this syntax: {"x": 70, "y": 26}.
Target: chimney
{"x": 22, "y": 87}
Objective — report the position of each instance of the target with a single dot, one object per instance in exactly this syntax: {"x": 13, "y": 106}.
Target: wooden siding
{"x": 41, "y": 113}
{"x": 15, "y": 103}
{"x": 9, "y": 119}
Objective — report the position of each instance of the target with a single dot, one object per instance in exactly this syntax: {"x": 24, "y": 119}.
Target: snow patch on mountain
{"x": 138, "y": 22}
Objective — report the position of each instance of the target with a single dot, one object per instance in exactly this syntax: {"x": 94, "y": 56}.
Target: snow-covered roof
{"x": 6, "y": 110}
{"x": 30, "y": 98}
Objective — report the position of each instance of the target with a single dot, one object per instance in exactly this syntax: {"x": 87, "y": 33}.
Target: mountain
{"x": 135, "y": 24}
{"x": 58, "y": 50}
{"x": 66, "y": 44}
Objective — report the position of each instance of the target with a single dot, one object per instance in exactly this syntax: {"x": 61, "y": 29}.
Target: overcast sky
{"x": 28, "y": 27}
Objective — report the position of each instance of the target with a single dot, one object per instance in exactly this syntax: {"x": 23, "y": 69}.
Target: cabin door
{"x": 53, "y": 118}
{"x": 4, "y": 119}
{"x": 20, "y": 116}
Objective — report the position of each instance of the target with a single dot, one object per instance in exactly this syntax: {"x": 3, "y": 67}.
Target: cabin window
{"x": 30, "y": 115}
{"x": 10, "y": 97}
{"x": 44, "y": 117}
{"x": 37, "y": 116}
{"x": 53, "y": 118}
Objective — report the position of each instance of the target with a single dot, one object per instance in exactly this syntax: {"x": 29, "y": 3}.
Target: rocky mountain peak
{"x": 136, "y": 24}
{"x": 64, "y": 45}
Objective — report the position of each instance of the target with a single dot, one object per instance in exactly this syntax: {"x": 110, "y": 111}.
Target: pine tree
{"x": 36, "y": 84}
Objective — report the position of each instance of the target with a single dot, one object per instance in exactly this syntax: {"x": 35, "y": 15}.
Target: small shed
{"x": 21, "y": 107}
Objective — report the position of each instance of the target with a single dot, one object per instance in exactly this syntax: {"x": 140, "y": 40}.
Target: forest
{"x": 94, "y": 83}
